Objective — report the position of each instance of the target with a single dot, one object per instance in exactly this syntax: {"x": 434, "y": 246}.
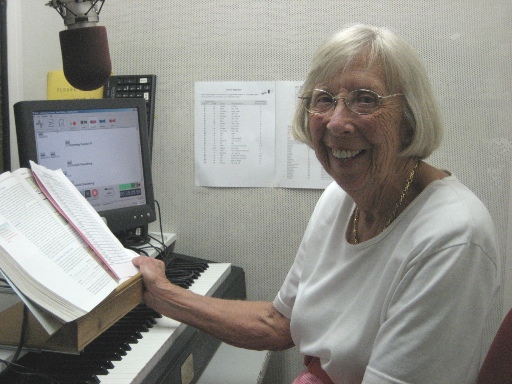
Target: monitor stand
{"x": 134, "y": 237}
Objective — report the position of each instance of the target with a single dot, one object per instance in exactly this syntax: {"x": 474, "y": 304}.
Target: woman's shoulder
{"x": 452, "y": 195}
{"x": 450, "y": 212}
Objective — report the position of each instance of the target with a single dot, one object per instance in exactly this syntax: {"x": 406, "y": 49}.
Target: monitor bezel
{"x": 122, "y": 221}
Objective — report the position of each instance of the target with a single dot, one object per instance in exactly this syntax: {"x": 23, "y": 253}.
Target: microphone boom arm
{"x": 77, "y": 13}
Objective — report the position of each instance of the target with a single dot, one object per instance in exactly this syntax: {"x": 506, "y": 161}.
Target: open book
{"x": 56, "y": 252}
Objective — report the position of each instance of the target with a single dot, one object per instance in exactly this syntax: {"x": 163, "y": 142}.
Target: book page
{"x": 45, "y": 254}
{"x": 84, "y": 218}
{"x": 50, "y": 323}
{"x": 234, "y": 134}
{"x": 296, "y": 162}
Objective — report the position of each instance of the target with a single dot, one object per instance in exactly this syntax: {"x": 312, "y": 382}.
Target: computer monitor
{"x": 102, "y": 147}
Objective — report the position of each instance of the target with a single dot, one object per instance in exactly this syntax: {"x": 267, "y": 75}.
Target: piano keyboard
{"x": 132, "y": 361}
{"x": 136, "y": 365}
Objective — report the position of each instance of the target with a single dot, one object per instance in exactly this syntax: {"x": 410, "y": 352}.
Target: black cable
{"x": 12, "y": 365}
{"x": 160, "y": 222}
{"x": 150, "y": 246}
{"x": 137, "y": 250}
{"x": 21, "y": 343}
{"x": 163, "y": 251}
{"x": 161, "y": 245}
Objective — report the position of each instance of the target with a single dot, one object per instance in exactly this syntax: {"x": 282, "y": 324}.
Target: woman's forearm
{"x": 246, "y": 324}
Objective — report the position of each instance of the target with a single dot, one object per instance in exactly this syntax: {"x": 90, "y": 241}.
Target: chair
{"x": 497, "y": 366}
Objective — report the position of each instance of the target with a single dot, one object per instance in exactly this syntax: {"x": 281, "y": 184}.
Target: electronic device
{"x": 102, "y": 147}
{"x": 84, "y": 45}
{"x": 135, "y": 86}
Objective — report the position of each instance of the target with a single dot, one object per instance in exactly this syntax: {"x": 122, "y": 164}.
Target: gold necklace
{"x": 397, "y": 205}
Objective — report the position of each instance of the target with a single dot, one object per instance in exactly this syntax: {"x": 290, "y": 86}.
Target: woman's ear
{"x": 407, "y": 128}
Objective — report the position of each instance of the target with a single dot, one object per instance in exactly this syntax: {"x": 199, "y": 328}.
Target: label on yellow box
{"x": 58, "y": 88}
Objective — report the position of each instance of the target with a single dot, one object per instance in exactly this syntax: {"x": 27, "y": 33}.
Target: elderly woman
{"x": 398, "y": 267}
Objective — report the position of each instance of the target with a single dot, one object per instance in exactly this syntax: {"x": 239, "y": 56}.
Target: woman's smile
{"x": 345, "y": 154}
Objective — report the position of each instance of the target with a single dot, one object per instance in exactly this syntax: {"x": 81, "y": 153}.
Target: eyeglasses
{"x": 360, "y": 101}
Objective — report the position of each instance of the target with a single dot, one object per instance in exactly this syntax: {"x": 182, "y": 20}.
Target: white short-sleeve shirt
{"x": 407, "y": 306}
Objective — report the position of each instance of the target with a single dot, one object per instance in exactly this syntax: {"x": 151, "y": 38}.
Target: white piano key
{"x": 143, "y": 357}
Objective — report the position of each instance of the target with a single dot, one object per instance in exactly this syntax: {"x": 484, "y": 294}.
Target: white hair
{"x": 404, "y": 73}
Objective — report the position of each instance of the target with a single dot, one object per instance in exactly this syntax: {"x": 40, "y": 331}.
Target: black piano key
{"x": 181, "y": 273}
{"x": 144, "y": 323}
{"x": 124, "y": 338}
{"x": 182, "y": 281}
{"x": 142, "y": 310}
{"x": 177, "y": 263}
{"x": 121, "y": 346}
{"x": 112, "y": 356}
{"x": 105, "y": 348}
{"x": 182, "y": 267}
{"x": 135, "y": 328}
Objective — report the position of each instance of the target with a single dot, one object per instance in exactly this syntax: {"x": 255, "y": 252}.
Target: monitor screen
{"x": 101, "y": 145}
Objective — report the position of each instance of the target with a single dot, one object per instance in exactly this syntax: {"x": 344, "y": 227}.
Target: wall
{"x": 466, "y": 46}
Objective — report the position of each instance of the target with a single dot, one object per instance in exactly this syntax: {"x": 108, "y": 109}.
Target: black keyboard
{"x": 139, "y": 86}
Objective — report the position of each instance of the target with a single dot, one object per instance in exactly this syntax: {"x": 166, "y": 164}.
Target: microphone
{"x": 84, "y": 46}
